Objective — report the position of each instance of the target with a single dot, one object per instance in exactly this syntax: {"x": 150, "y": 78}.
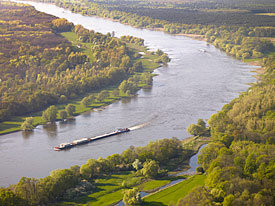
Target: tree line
{"x": 240, "y": 160}
{"x": 39, "y": 67}
{"x": 150, "y": 161}
{"x": 241, "y": 40}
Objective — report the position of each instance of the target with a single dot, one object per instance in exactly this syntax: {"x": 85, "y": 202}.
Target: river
{"x": 194, "y": 85}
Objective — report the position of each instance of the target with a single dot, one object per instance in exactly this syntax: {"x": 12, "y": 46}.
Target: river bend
{"x": 194, "y": 85}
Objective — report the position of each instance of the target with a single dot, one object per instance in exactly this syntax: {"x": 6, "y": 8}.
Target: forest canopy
{"x": 40, "y": 67}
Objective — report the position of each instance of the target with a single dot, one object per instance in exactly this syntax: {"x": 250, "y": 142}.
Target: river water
{"x": 194, "y": 85}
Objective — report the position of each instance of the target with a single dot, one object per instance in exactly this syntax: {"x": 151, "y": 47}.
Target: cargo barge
{"x": 64, "y": 146}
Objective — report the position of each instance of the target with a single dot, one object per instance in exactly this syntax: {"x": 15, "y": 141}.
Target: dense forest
{"x": 40, "y": 67}
{"x": 240, "y": 160}
{"x": 250, "y": 36}
{"x": 189, "y": 12}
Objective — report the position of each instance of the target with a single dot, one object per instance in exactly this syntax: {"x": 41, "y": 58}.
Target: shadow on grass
{"x": 173, "y": 178}
{"x": 107, "y": 177}
{"x": 153, "y": 203}
{"x": 82, "y": 200}
{"x": 105, "y": 184}
{"x": 6, "y": 126}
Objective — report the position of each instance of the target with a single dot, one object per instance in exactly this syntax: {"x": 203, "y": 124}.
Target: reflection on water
{"x": 27, "y": 134}
{"x": 50, "y": 129}
{"x": 87, "y": 114}
{"x": 126, "y": 100}
{"x": 69, "y": 122}
{"x": 193, "y": 85}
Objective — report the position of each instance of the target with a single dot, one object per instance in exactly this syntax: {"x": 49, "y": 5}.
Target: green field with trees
{"x": 103, "y": 181}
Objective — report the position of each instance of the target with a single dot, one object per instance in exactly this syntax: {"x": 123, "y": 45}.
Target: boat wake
{"x": 138, "y": 126}
{"x": 142, "y": 125}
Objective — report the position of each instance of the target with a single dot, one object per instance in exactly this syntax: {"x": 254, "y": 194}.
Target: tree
{"x": 165, "y": 58}
{"x": 28, "y": 124}
{"x": 90, "y": 169}
{"x": 137, "y": 67}
{"x": 70, "y": 109}
{"x": 8, "y": 198}
{"x": 201, "y": 123}
{"x": 200, "y": 170}
{"x": 197, "y": 196}
{"x": 63, "y": 114}
{"x": 63, "y": 179}
{"x": 197, "y": 129}
{"x": 159, "y": 52}
{"x": 228, "y": 200}
{"x": 25, "y": 189}
{"x": 62, "y": 99}
{"x": 132, "y": 197}
{"x": 194, "y": 129}
{"x": 62, "y": 25}
{"x": 91, "y": 98}
{"x": 137, "y": 164}
{"x": 85, "y": 102}
{"x": 115, "y": 92}
{"x": 128, "y": 86}
{"x": 250, "y": 164}
{"x": 123, "y": 86}
{"x": 150, "y": 169}
{"x": 102, "y": 95}
{"x": 146, "y": 78}
{"x": 49, "y": 114}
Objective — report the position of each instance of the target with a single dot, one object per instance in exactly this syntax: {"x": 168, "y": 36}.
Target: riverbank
{"x": 192, "y": 144}
{"x": 196, "y": 34}
{"x": 164, "y": 111}
{"x": 110, "y": 187}
{"x": 149, "y": 65}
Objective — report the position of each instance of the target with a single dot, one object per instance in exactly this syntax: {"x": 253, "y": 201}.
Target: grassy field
{"x": 174, "y": 193}
{"x": 153, "y": 184}
{"x": 84, "y": 47}
{"x": 148, "y": 63}
{"x": 109, "y": 190}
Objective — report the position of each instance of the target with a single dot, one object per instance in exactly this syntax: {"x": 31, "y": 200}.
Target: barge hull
{"x": 78, "y": 142}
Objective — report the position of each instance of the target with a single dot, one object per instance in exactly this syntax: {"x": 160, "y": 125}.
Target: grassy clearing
{"x": 174, "y": 193}
{"x": 149, "y": 65}
{"x": 81, "y": 46}
{"x": 153, "y": 184}
{"x": 252, "y": 60}
{"x": 109, "y": 190}
{"x": 147, "y": 60}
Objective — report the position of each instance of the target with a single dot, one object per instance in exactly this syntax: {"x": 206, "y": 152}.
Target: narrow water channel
{"x": 194, "y": 85}
{"x": 191, "y": 171}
